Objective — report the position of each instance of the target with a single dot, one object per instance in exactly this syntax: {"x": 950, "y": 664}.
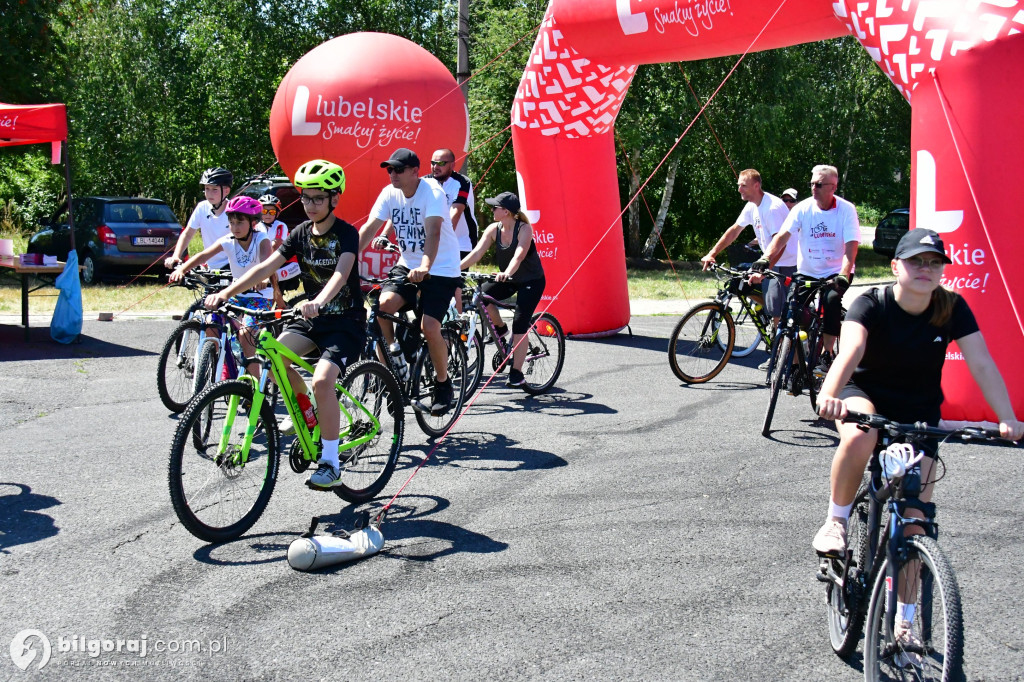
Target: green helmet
{"x": 320, "y": 174}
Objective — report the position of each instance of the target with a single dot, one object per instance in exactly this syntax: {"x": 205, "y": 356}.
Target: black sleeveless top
{"x": 530, "y": 268}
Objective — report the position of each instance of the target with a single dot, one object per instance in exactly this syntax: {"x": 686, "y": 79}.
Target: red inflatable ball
{"x": 356, "y": 98}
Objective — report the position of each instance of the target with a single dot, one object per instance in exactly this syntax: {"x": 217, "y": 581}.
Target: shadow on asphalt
{"x": 409, "y": 534}
{"x": 42, "y": 347}
{"x": 20, "y": 522}
{"x": 627, "y": 340}
{"x": 482, "y": 452}
{"x": 556, "y": 403}
{"x": 813, "y": 433}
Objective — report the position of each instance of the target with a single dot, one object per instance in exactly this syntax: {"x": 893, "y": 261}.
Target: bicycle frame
{"x": 271, "y": 351}
{"x": 478, "y": 304}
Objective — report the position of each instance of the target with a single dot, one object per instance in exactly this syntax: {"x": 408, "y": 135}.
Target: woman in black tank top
{"x": 521, "y": 272}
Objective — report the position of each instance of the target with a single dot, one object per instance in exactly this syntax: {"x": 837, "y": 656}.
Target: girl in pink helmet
{"x": 245, "y": 247}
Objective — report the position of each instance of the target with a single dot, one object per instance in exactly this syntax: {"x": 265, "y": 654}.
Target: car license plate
{"x": 148, "y": 241}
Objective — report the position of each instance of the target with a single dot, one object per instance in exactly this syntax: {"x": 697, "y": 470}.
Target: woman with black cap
{"x": 521, "y": 272}
{"x": 891, "y": 352}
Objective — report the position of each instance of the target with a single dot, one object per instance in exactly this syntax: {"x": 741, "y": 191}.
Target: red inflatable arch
{"x": 959, "y": 63}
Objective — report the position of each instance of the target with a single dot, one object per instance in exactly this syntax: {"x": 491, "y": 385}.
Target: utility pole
{"x": 463, "y": 50}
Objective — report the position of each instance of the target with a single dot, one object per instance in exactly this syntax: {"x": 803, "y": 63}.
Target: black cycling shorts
{"x": 339, "y": 339}
{"x": 529, "y": 295}
{"x": 435, "y": 293}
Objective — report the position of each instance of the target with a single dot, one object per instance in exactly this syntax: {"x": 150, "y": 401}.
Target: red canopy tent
{"x": 39, "y": 124}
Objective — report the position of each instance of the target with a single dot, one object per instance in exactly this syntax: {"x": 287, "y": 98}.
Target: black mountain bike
{"x": 798, "y": 343}
{"x": 866, "y": 580}
{"x": 545, "y": 354}
{"x": 415, "y": 370}
{"x": 711, "y": 332}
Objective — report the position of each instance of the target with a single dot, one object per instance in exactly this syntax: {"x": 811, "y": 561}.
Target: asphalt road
{"x": 621, "y": 527}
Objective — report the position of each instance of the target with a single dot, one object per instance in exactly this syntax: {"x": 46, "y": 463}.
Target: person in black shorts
{"x": 416, "y": 212}
{"x": 521, "y": 273}
{"x": 891, "y": 352}
{"x": 334, "y": 319}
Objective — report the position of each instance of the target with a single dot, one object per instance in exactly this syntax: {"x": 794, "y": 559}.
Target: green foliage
{"x": 158, "y": 90}
{"x": 30, "y": 187}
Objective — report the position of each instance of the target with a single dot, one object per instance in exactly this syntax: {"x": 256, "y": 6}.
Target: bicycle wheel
{"x": 367, "y": 468}
{"x": 475, "y": 361}
{"x": 694, "y": 353}
{"x": 747, "y": 335}
{"x": 783, "y": 365}
{"x": 175, "y": 372}
{"x": 545, "y": 355}
{"x": 206, "y": 374}
{"x": 423, "y": 385}
{"x": 846, "y": 602}
{"x": 216, "y": 497}
{"x": 938, "y": 622}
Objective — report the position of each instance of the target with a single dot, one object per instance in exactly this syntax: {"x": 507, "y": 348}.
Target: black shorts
{"x": 896, "y": 412}
{"x": 339, "y": 339}
{"x": 435, "y": 293}
{"x": 527, "y": 300}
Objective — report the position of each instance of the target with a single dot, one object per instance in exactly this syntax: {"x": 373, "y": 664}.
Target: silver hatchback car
{"x": 113, "y": 236}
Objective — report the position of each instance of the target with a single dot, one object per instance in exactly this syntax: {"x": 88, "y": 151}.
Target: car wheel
{"x": 90, "y": 270}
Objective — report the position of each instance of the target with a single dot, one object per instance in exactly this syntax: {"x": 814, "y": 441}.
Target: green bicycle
{"x": 226, "y": 449}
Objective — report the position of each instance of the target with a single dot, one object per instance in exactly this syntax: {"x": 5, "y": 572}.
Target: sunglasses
{"x": 788, "y": 200}
{"x": 396, "y": 171}
{"x": 439, "y": 163}
{"x": 270, "y": 211}
{"x": 933, "y": 264}
{"x": 819, "y": 185}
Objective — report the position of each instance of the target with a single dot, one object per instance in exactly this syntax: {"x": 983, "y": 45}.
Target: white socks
{"x": 329, "y": 455}
{"x": 839, "y": 511}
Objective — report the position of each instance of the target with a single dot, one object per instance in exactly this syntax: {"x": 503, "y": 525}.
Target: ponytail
{"x": 943, "y": 301}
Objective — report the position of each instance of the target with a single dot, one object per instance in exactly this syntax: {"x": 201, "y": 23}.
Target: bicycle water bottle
{"x": 306, "y": 407}
{"x": 398, "y": 359}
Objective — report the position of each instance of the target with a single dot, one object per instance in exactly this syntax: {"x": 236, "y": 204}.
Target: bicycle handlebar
{"x": 481, "y": 276}
{"x": 208, "y": 279}
{"x": 966, "y": 434}
{"x": 260, "y": 315}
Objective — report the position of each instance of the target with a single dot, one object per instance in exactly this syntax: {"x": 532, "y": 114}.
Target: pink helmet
{"x": 246, "y": 205}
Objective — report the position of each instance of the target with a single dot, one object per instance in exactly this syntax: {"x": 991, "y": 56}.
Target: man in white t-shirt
{"x": 418, "y": 213}
{"x": 827, "y": 233}
{"x": 209, "y": 218}
{"x": 765, "y": 213}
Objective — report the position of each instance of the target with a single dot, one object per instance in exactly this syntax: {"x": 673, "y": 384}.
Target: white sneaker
{"x": 326, "y": 476}
{"x": 903, "y": 632}
{"x": 831, "y": 539}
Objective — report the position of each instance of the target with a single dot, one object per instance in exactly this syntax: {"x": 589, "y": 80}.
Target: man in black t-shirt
{"x": 334, "y": 320}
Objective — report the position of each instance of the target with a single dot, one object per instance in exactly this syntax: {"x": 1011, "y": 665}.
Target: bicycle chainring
{"x": 296, "y": 461}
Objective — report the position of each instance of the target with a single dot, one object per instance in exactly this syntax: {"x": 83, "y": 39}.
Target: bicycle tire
{"x": 938, "y": 622}
{"x": 367, "y": 468}
{"x": 783, "y": 364}
{"x": 694, "y": 353}
{"x": 747, "y": 336}
{"x": 423, "y": 385}
{"x": 175, "y": 370}
{"x": 845, "y": 612}
{"x": 475, "y": 361}
{"x": 206, "y": 373}
{"x": 545, "y": 354}
{"x": 217, "y": 500}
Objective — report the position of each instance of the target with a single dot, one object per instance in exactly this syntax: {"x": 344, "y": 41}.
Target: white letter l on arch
{"x": 300, "y": 126}
{"x": 630, "y": 23}
{"x": 925, "y": 213}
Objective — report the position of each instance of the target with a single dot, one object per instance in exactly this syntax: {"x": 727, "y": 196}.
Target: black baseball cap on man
{"x": 918, "y": 241}
{"x": 506, "y": 200}
{"x": 402, "y": 158}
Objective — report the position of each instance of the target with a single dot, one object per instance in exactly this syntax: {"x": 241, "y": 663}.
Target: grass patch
{"x": 147, "y": 296}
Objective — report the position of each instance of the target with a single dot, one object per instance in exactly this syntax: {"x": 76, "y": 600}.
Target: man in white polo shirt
{"x": 765, "y": 213}
{"x": 827, "y": 233}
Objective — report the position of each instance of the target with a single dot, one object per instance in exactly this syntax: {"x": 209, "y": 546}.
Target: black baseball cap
{"x": 506, "y": 200}
{"x": 402, "y": 158}
{"x": 918, "y": 241}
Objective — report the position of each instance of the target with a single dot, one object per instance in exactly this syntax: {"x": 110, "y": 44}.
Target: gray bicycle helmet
{"x": 217, "y": 176}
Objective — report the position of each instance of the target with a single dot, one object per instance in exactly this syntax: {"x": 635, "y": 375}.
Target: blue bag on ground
{"x": 67, "y": 316}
